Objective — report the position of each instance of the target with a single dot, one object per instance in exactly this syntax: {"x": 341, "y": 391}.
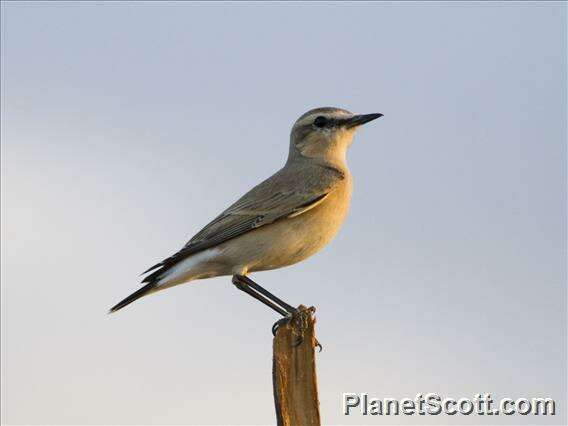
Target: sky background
{"x": 126, "y": 127}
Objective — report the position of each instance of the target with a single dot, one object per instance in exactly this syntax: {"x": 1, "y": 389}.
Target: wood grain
{"x": 294, "y": 371}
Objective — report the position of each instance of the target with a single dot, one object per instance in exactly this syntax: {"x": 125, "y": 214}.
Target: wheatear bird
{"x": 283, "y": 220}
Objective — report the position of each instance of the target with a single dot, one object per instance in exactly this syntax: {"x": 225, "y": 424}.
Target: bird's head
{"x": 326, "y": 133}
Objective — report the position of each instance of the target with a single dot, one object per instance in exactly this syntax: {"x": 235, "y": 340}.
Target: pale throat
{"x": 331, "y": 149}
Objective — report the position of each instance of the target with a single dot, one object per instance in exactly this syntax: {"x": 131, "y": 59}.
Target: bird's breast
{"x": 292, "y": 240}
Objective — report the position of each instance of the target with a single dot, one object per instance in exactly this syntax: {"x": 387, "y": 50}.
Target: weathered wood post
{"x": 294, "y": 371}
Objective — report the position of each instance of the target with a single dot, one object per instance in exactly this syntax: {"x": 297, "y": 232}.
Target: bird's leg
{"x": 250, "y": 287}
{"x": 243, "y": 286}
{"x": 289, "y": 313}
{"x": 290, "y": 309}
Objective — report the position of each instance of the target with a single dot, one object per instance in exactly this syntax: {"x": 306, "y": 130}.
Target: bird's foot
{"x": 299, "y": 320}
{"x": 318, "y": 345}
{"x": 280, "y": 323}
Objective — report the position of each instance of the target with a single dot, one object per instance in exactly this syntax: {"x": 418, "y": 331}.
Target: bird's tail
{"x": 156, "y": 281}
{"x": 147, "y": 289}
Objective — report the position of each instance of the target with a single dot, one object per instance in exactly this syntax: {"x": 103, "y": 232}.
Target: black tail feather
{"x": 157, "y": 265}
{"x": 152, "y": 281}
{"x": 133, "y": 297}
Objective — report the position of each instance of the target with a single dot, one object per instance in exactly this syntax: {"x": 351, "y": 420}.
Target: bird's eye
{"x": 320, "y": 121}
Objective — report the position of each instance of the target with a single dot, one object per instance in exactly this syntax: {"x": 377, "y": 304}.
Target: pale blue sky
{"x": 127, "y": 126}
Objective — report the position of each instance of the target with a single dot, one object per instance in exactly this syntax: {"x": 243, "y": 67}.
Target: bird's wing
{"x": 288, "y": 193}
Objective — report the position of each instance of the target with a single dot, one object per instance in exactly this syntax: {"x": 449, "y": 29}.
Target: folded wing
{"x": 290, "y": 192}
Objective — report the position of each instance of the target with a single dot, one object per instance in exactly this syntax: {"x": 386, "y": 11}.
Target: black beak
{"x": 358, "y": 120}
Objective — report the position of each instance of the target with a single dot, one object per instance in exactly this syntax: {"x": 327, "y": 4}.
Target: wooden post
{"x": 294, "y": 371}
